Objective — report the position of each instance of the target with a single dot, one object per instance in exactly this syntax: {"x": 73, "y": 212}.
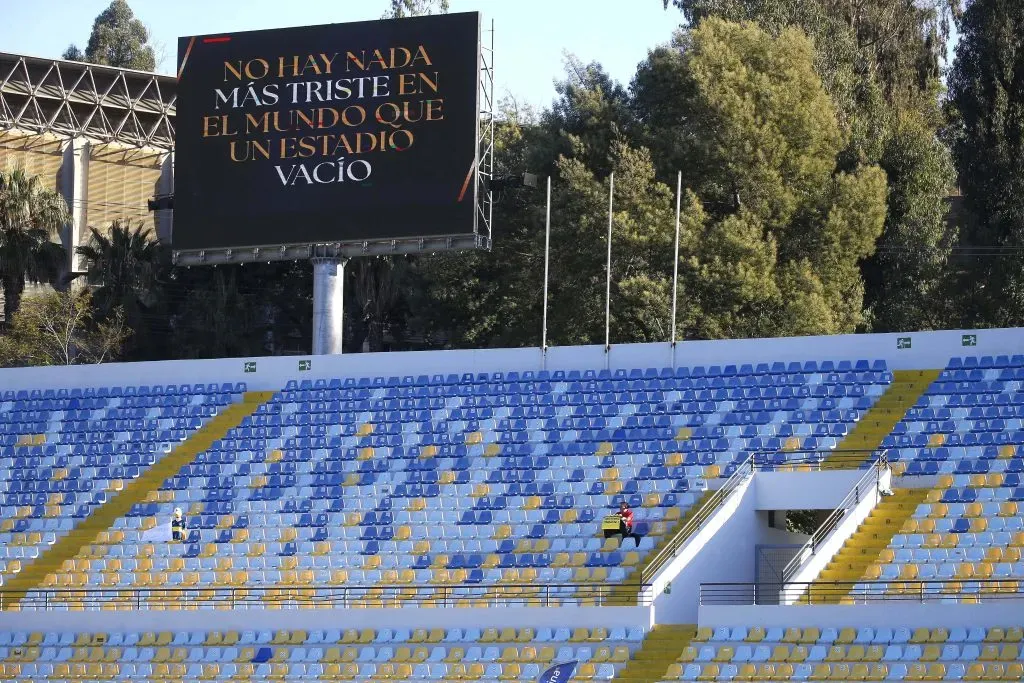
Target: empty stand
{"x": 440, "y": 481}
{"x": 905, "y": 390}
{"x": 68, "y": 455}
{"x": 359, "y": 655}
{"x": 847, "y": 654}
{"x": 965, "y": 432}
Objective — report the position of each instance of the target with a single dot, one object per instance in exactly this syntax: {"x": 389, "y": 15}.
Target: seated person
{"x": 625, "y": 516}
{"x": 178, "y": 526}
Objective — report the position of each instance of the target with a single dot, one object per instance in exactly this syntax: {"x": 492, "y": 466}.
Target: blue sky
{"x": 530, "y": 40}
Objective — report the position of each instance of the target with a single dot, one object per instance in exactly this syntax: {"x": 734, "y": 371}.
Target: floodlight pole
{"x": 608, "y": 269}
{"x": 328, "y": 304}
{"x": 675, "y": 262}
{"x": 547, "y": 252}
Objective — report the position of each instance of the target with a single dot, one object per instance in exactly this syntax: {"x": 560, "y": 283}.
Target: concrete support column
{"x": 328, "y": 304}
{"x": 74, "y": 179}
{"x": 164, "y": 219}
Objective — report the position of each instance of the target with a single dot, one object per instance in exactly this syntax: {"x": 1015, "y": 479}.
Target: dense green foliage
{"x": 412, "y": 8}
{"x": 117, "y": 39}
{"x": 818, "y": 155}
{"x": 31, "y": 217}
{"x": 60, "y": 328}
{"x": 987, "y": 97}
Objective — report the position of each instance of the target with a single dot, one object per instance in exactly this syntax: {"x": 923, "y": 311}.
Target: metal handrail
{"x": 860, "y": 592}
{"x": 706, "y": 509}
{"x": 841, "y": 512}
{"x": 338, "y": 597}
{"x": 806, "y": 456}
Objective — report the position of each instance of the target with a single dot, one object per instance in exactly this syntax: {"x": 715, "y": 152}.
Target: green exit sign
{"x": 250, "y": 366}
{"x": 305, "y": 365}
{"x": 902, "y": 342}
{"x": 969, "y": 340}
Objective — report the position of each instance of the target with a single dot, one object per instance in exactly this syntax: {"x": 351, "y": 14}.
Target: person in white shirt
{"x": 884, "y": 475}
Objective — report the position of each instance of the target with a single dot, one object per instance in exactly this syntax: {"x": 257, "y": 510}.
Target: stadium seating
{"x": 63, "y": 452}
{"x": 967, "y": 431}
{"x": 391, "y": 490}
{"x": 361, "y": 655}
{"x": 463, "y": 479}
{"x": 738, "y": 654}
{"x": 849, "y": 654}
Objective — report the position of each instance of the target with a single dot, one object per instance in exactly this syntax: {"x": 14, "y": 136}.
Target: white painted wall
{"x": 891, "y": 614}
{"x": 804, "y": 490}
{"x": 813, "y": 563}
{"x": 259, "y": 619}
{"x": 928, "y": 350}
{"x": 722, "y": 550}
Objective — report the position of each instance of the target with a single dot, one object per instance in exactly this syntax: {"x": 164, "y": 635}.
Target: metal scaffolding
{"x": 100, "y": 103}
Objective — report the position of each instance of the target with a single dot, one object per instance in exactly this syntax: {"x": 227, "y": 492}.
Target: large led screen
{"x": 320, "y": 134}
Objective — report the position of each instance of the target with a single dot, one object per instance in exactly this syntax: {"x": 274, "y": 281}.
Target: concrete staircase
{"x": 625, "y": 594}
{"x": 865, "y": 546}
{"x": 134, "y": 491}
{"x": 659, "y": 651}
{"x": 907, "y": 386}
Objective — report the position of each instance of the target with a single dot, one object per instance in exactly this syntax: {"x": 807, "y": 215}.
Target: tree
{"x": 30, "y": 216}
{"x": 58, "y": 328}
{"x": 117, "y": 39}
{"x": 898, "y": 44}
{"x": 986, "y": 89}
{"x": 590, "y": 114}
{"x": 415, "y": 8}
{"x": 642, "y": 234}
{"x": 777, "y": 227}
{"x": 219, "y": 320}
{"x": 125, "y": 267}
{"x": 880, "y": 61}
{"x": 908, "y": 279}
{"x": 241, "y": 310}
{"x": 74, "y": 54}
{"x": 377, "y": 288}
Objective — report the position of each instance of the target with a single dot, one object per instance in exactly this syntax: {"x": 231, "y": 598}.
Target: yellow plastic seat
{"x": 791, "y": 635}
{"x": 810, "y": 635}
{"x": 821, "y": 672}
{"x": 846, "y": 636}
{"x": 709, "y": 672}
{"x": 836, "y": 653}
{"x": 580, "y": 635}
{"x": 755, "y": 634}
{"x": 688, "y": 654}
{"x": 975, "y": 672}
{"x": 798, "y": 654}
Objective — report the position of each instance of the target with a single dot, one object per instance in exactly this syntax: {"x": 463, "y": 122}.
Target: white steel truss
{"x": 72, "y": 99}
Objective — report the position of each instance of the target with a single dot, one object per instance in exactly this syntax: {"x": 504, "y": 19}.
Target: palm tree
{"x": 124, "y": 267}
{"x": 30, "y": 217}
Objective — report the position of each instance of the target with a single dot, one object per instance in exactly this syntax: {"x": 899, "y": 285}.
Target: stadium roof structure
{"x": 74, "y": 99}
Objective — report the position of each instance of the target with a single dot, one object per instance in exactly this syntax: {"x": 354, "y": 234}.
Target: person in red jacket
{"x": 626, "y": 523}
